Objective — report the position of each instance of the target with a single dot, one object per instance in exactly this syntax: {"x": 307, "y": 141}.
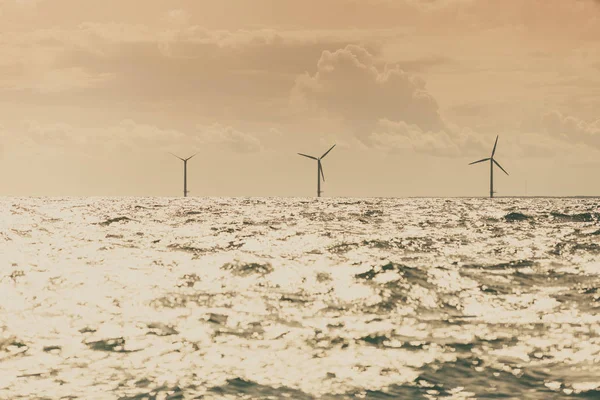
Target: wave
{"x": 246, "y": 269}
{"x": 516, "y": 216}
{"x": 328, "y": 299}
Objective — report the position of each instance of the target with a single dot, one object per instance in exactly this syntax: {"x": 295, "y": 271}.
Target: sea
{"x": 298, "y": 298}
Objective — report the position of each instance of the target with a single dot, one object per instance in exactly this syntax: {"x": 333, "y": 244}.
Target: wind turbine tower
{"x": 492, "y": 162}
{"x": 185, "y": 160}
{"x": 319, "y": 168}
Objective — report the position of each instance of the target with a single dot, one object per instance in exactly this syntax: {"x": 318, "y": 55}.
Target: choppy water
{"x": 290, "y": 298}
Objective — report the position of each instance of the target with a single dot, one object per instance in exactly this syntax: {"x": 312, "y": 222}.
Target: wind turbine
{"x": 319, "y": 168}
{"x": 492, "y": 162}
{"x": 185, "y": 160}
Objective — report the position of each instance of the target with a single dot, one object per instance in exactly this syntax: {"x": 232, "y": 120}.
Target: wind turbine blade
{"x": 327, "y": 152}
{"x": 314, "y": 158}
{"x": 321, "y": 169}
{"x": 475, "y": 162}
{"x": 494, "y": 151}
{"x": 496, "y": 162}
{"x": 189, "y": 158}
{"x": 177, "y": 156}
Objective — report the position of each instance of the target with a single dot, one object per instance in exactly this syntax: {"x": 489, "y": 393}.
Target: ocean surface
{"x": 265, "y": 298}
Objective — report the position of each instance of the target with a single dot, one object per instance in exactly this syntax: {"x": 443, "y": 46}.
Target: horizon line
{"x": 311, "y": 197}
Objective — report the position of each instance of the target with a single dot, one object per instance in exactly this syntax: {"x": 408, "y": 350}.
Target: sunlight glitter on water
{"x": 336, "y": 298}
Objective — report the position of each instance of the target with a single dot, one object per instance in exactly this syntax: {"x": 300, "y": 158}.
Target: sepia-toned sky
{"x": 93, "y": 96}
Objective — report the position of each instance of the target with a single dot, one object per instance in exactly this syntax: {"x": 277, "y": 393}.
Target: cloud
{"x": 349, "y": 83}
{"x": 132, "y": 135}
{"x": 124, "y": 136}
{"x": 452, "y": 141}
{"x": 399, "y": 136}
{"x": 382, "y": 105}
{"x": 34, "y": 138}
{"x": 423, "y": 64}
{"x": 127, "y": 136}
{"x": 244, "y": 74}
{"x": 538, "y": 145}
{"x": 178, "y": 16}
{"x": 472, "y": 108}
{"x": 58, "y": 134}
{"x": 229, "y": 137}
{"x": 27, "y": 3}
{"x": 571, "y": 129}
{"x": 56, "y": 80}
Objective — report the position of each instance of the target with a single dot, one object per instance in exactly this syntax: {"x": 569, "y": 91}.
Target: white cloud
{"x": 571, "y": 129}
{"x": 350, "y": 83}
{"x": 382, "y": 105}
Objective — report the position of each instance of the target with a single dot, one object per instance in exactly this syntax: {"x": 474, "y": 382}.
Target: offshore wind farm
{"x": 492, "y": 162}
{"x": 408, "y": 271}
{"x": 320, "y": 173}
{"x": 298, "y": 298}
{"x": 185, "y": 161}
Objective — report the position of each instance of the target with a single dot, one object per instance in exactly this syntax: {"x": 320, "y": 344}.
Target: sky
{"x": 94, "y": 96}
